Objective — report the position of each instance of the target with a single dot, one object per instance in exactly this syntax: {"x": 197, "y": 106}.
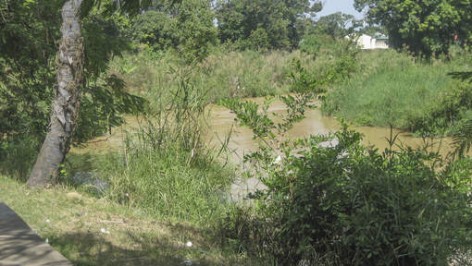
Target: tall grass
{"x": 165, "y": 168}
{"x": 222, "y": 74}
{"x": 392, "y": 89}
{"x": 166, "y": 186}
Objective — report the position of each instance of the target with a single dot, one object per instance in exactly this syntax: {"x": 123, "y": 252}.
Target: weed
{"x": 393, "y": 89}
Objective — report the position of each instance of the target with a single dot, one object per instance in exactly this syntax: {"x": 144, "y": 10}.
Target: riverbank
{"x": 169, "y": 174}
{"x": 96, "y": 231}
{"x": 394, "y": 89}
{"x": 380, "y": 88}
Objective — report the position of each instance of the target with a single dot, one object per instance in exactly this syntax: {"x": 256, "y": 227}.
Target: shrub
{"x": 329, "y": 200}
{"x": 17, "y": 154}
{"x": 347, "y": 205}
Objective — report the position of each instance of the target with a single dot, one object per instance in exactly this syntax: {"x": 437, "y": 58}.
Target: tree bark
{"x": 65, "y": 106}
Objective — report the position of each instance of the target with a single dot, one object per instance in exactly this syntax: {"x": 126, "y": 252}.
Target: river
{"x": 222, "y": 128}
{"x": 222, "y": 123}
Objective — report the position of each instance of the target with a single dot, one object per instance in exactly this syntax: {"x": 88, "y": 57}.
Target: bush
{"x": 347, "y": 205}
{"x": 17, "y": 154}
{"x": 448, "y": 112}
{"x": 329, "y": 200}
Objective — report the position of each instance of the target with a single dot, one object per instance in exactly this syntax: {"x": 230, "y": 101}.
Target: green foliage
{"x": 28, "y": 31}
{"x": 27, "y": 71}
{"x": 104, "y": 99}
{"x": 311, "y": 44}
{"x": 197, "y": 32}
{"x": 304, "y": 90}
{"x": 258, "y": 40}
{"x": 222, "y": 74}
{"x": 186, "y": 27}
{"x": 17, "y": 154}
{"x": 336, "y": 25}
{"x": 330, "y": 201}
{"x": 103, "y": 39}
{"x": 262, "y": 24}
{"x": 166, "y": 186}
{"x": 334, "y": 61}
{"x": 165, "y": 169}
{"x": 248, "y": 113}
{"x": 395, "y": 90}
{"x": 425, "y": 27}
{"x": 155, "y": 29}
{"x": 351, "y": 206}
{"x": 449, "y": 113}
{"x": 462, "y": 131}
{"x": 102, "y": 106}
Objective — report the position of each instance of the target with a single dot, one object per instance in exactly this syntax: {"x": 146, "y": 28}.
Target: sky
{"x": 333, "y": 6}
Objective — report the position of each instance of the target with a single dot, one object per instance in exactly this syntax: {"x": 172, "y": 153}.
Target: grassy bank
{"x": 165, "y": 188}
{"x": 92, "y": 231}
{"x": 167, "y": 183}
{"x": 392, "y": 88}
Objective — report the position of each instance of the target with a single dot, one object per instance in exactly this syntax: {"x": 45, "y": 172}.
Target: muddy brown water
{"x": 222, "y": 123}
{"x": 222, "y": 127}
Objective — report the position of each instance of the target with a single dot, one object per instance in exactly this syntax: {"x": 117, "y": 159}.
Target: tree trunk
{"x": 65, "y": 106}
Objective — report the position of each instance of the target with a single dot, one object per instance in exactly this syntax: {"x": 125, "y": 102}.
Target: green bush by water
{"x": 347, "y": 205}
{"x": 331, "y": 201}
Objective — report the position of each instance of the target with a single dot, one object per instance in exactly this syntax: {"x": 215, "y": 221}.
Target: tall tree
{"x": 186, "y": 27}
{"x": 70, "y": 80}
{"x": 336, "y": 25}
{"x": 263, "y": 23}
{"x": 65, "y": 107}
{"x": 425, "y": 27}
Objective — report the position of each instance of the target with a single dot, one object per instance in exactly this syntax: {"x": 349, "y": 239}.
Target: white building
{"x": 367, "y": 42}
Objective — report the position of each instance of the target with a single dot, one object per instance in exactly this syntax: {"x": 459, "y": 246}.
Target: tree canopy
{"x": 263, "y": 24}
{"x": 186, "y": 27}
{"x": 336, "y": 25}
{"x": 29, "y": 33}
{"x": 425, "y": 27}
